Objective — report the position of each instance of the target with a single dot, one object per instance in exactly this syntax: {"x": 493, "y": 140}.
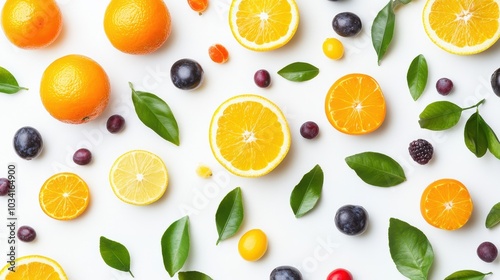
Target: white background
{"x": 311, "y": 243}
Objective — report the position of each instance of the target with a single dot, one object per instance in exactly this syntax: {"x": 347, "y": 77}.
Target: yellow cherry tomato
{"x": 253, "y": 245}
{"x": 333, "y": 48}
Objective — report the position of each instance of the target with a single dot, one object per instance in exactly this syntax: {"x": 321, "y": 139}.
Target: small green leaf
{"x": 175, "y": 245}
{"x": 376, "y": 169}
{"x": 299, "y": 72}
{"x": 156, "y": 114}
{"x": 467, "y": 275}
{"x": 440, "y": 115}
{"x": 410, "y": 250}
{"x": 493, "y": 143}
{"x": 475, "y": 136}
{"x": 416, "y": 76}
{"x": 115, "y": 254}
{"x": 8, "y": 83}
{"x": 229, "y": 215}
{"x": 193, "y": 275}
{"x": 383, "y": 30}
{"x": 306, "y": 194}
{"x": 493, "y": 217}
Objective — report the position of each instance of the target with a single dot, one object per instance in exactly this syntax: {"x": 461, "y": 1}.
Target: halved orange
{"x": 355, "y": 104}
{"x": 462, "y": 26}
{"x": 249, "y": 135}
{"x": 263, "y": 25}
{"x": 33, "y": 267}
{"x": 64, "y": 196}
{"x": 446, "y": 204}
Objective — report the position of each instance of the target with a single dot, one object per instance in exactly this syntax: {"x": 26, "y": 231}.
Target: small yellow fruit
{"x": 333, "y": 48}
{"x": 253, "y": 245}
{"x": 204, "y": 171}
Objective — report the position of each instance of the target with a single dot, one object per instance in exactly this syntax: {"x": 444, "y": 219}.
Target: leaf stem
{"x": 130, "y": 271}
{"x": 474, "y": 106}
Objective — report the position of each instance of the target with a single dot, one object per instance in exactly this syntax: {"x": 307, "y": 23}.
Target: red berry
{"x": 339, "y": 274}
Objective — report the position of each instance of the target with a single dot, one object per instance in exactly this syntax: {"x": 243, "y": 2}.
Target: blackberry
{"x": 421, "y": 151}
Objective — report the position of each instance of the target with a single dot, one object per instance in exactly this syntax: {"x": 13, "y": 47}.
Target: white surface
{"x": 311, "y": 243}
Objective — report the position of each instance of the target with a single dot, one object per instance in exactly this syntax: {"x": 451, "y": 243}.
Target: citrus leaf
{"x": 229, "y": 215}
{"x": 493, "y": 143}
{"x": 467, "y": 275}
{"x": 383, "y": 30}
{"x": 376, "y": 169}
{"x": 175, "y": 245}
{"x": 156, "y": 114}
{"x": 115, "y": 254}
{"x": 493, "y": 217}
{"x": 416, "y": 76}
{"x": 474, "y": 135}
{"x": 299, "y": 72}
{"x": 193, "y": 275}
{"x": 410, "y": 250}
{"x": 440, "y": 115}
{"x": 306, "y": 194}
{"x": 8, "y": 83}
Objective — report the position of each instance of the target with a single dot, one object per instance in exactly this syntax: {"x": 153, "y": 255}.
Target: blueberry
{"x": 346, "y": 24}
{"x": 309, "y": 130}
{"x": 26, "y": 233}
{"x": 186, "y": 74}
{"x": 285, "y": 273}
{"x": 495, "y": 81}
{"x": 487, "y": 251}
{"x": 262, "y": 78}
{"x": 115, "y": 123}
{"x": 4, "y": 186}
{"x": 28, "y": 143}
{"x": 82, "y": 156}
{"x": 351, "y": 219}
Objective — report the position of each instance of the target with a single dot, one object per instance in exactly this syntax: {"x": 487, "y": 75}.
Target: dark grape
{"x": 495, "y": 82}
{"x": 487, "y": 251}
{"x": 186, "y": 74}
{"x": 309, "y": 130}
{"x": 28, "y": 142}
{"x": 82, "y": 156}
{"x": 285, "y": 273}
{"x": 262, "y": 78}
{"x": 4, "y": 186}
{"x": 444, "y": 86}
{"x": 26, "y": 233}
{"x": 115, "y": 123}
{"x": 346, "y": 24}
{"x": 351, "y": 219}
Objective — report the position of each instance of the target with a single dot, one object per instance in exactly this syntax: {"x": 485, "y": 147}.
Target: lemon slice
{"x": 33, "y": 267}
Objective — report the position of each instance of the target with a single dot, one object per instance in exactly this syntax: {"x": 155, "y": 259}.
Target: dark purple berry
{"x": 309, "y": 130}
{"x": 444, "y": 86}
{"x": 82, "y": 156}
{"x": 495, "y": 81}
{"x": 285, "y": 272}
{"x": 421, "y": 151}
{"x": 115, "y": 123}
{"x": 346, "y": 24}
{"x": 4, "y": 186}
{"x": 487, "y": 251}
{"x": 186, "y": 74}
{"x": 28, "y": 143}
{"x": 26, "y": 233}
{"x": 262, "y": 78}
{"x": 351, "y": 219}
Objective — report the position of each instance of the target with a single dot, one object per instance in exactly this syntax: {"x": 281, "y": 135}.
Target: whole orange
{"x": 74, "y": 89}
{"x": 31, "y": 24}
{"x": 137, "y": 26}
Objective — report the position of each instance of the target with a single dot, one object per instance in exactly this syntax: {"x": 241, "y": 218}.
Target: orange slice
{"x": 355, "y": 104}
{"x": 64, "y": 196}
{"x": 33, "y": 267}
{"x": 446, "y": 204}
{"x": 462, "y": 26}
{"x": 249, "y": 135}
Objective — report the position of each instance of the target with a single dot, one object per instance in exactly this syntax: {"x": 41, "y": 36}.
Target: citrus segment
{"x": 446, "y": 204}
{"x": 64, "y": 196}
{"x": 34, "y": 267}
{"x": 263, "y": 25}
{"x": 249, "y": 135}
{"x": 462, "y": 26}
{"x": 138, "y": 177}
{"x": 355, "y": 104}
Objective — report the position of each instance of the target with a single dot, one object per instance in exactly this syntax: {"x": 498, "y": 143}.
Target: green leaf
{"x": 299, "y": 72}
{"x": 410, "y": 250}
{"x": 175, "y": 245}
{"x": 440, "y": 115}
{"x": 306, "y": 194}
{"x": 493, "y": 143}
{"x": 417, "y": 76}
{"x": 474, "y": 135}
{"x": 115, "y": 254}
{"x": 376, "y": 169}
{"x": 193, "y": 275}
{"x": 229, "y": 215}
{"x": 8, "y": 83}
{"x": 383, "y": 30}
{"x": 156, "y": 114}
{"x": 467, "y": 275}
{"x": 493, "y": 217}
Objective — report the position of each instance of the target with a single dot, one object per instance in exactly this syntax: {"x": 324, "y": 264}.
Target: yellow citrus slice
{"x": 33, "y": 267}
{"x": 355, "y": 104}
{"x": 446, "y": 204}
{"x": 249, "y": 135}
{"x": 263, "y": 25}
{"x": 138, "y": 177}
{"x": 64, "y": 196}
{"x": 462, "y": 26}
